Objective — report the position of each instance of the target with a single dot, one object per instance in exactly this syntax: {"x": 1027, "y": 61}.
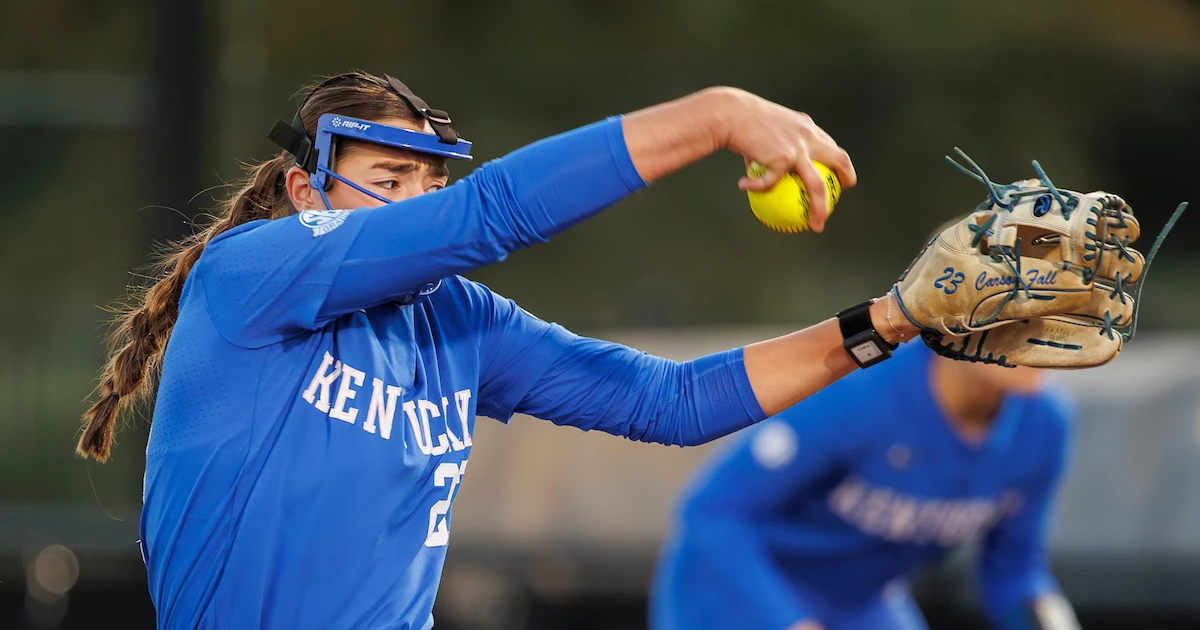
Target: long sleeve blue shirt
{"x": 310, "y": 432}
{"x": 809, "y": 515}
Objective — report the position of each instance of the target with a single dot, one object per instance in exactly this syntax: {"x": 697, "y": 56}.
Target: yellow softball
{"x": 785, "y": 207}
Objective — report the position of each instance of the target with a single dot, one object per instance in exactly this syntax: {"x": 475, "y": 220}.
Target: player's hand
{"x": 807, "y": 625}
{"x": 784, "y": 141}
{"x": 664, "y": 138}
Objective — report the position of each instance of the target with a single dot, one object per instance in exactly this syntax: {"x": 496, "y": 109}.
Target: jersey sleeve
{"x": 737, "y": 495}
{"x": 532, "y": 366}
{"x": 268, "y": 280}
{"x": 603, "y": 386}
{"x": 515, "y": 347}
{"x": 1013, "y": 569}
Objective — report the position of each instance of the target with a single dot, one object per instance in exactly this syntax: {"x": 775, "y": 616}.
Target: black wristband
{"x": 860, "y": 339}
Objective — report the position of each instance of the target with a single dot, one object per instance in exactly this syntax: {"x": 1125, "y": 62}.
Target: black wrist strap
{"x": 855, "y": 319}
{"x": 860, "y": 339}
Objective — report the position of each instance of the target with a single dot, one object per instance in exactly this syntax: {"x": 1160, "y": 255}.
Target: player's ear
{"x": 301, "y": 194}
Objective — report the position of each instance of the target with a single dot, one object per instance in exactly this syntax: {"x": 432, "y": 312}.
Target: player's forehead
{"x": 376, "y": 156}
{"x": 367, "y": 155}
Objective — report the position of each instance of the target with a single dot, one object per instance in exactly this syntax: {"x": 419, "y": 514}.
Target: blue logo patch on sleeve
{"x": 1041, "y": 205}
{"x": 323, "y": 221}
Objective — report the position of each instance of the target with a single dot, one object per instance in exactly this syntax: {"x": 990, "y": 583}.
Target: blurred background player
{"x": 816, "y": 518}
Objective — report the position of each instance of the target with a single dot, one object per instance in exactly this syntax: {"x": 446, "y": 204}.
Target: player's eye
{"x": 435, "y": 188}
{"x": 389, "y": 184}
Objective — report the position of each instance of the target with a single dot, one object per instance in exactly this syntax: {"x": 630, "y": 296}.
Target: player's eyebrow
{"x": 403, "y": 167}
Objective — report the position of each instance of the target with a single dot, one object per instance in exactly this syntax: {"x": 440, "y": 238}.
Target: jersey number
{"x": 439, "y": 525}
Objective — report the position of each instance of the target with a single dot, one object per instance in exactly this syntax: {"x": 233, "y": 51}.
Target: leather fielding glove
{"x": 1036, "y": 276}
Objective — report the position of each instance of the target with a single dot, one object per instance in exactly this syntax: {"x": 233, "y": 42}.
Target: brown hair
{"x": 141, "y": 329}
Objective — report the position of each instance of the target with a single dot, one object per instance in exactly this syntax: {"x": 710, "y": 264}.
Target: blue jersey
{"x": 811, "y": 514}
{"x": 311, "y": 432}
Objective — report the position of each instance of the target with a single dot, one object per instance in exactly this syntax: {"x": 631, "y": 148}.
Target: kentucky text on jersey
{"x": 381, "y": 409}
{"x": 902, "y": 518}
{"x": 313, "y": 425}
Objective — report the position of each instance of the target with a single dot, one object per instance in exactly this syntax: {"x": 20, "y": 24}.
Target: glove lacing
{"x": 1005, "y": 196}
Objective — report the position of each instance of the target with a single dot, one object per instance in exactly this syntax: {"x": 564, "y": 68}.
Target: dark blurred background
{"x": 120, "y": 121}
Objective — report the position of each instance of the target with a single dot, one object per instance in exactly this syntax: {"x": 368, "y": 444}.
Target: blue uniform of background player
{"x": 815, "y": 517}
{"x": 322, "y": 368}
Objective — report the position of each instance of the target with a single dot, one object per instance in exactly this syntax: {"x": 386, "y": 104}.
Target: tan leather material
{"x": 1102, "y": 301}
{"x": 1123, "y": 225}
{"x": 1112, "y": 261}
{"x": 1044, "y": 343}
{"x": 1020, "y": 283}
{"x": 955, "y": 287}
{"x": 1116, "y": 208}
{"x": 1078, "y": 300}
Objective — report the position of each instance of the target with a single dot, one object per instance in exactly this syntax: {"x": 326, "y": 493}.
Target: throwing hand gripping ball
{"x": 785, "y": 207}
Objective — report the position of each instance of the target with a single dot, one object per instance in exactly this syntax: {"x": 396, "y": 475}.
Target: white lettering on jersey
{"x": 345, "y": 394}
{"x": 900, "y": 518}
{"x": 323, "y": 380}
{"x": 439, "y": 514}
{"x": 430, "y": 411}
{"x": 432, "y": 438}
{"x": 410, "y": 410}
{"x": 462, "y": 400}
{"x": 455, "y": 443}
{"x": 381, "y": 411}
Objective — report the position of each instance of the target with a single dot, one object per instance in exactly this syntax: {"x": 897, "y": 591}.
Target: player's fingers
{"x": 764, "y": 182}
{"x": 826, "y": 151}
{"x": 840, "y": 162}
{"x": 814, "y": 186}
{"x": 758, "y": 184}
{"x": 823, "y": 137}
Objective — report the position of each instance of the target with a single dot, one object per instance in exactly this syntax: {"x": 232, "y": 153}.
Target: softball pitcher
{"x": 317, "y": 370}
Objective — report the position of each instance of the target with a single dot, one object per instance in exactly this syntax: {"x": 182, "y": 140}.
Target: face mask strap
{"x": 324, "y": 199}
{"x": 347, "y": 182}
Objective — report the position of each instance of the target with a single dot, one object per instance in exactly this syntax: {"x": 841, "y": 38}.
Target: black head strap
{"x": 438, "y": 118}
{"x": 293, "y": 139}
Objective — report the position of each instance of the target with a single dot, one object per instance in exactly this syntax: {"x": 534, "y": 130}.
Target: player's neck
{"x": 969, "y": 405}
